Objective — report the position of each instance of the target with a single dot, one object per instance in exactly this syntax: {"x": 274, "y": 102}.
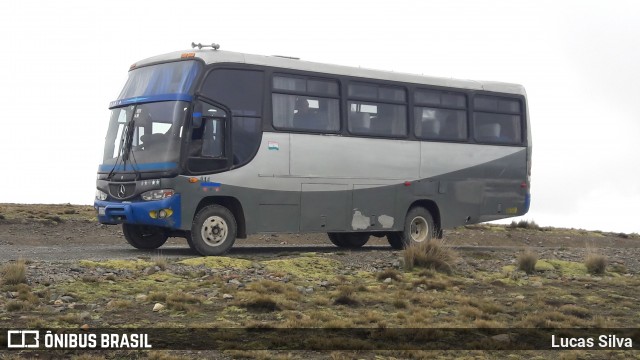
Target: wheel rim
{"x": 214, "y": 231}
{"x": 419, "y": 229}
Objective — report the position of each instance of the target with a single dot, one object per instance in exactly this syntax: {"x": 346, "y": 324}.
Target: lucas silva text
{"x": 603, "y": 342}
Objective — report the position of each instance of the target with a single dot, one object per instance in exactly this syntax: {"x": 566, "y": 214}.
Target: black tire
{"x": 144, "y": 237}
{"x": 190, "y": 241}
{"x": 213, "y": 231}
{"x": 349, "y": 240}
{"x": 418, "y": 228}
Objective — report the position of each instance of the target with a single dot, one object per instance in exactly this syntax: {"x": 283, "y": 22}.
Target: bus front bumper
{"x": 141, "y": 213}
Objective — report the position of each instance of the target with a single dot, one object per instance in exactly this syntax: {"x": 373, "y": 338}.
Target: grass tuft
{"x": 345, "y": 297}
{"x": 527, "y": 261}
{"x": 14, "y": 273}
{"x": 430, "y": 254}
{"x": 389, "y": 273}
{"x": 524, "y": 224}
{"x": 262, "y": 303}
{"x": 160, "y": 261}
{"x": 596, "y": 263}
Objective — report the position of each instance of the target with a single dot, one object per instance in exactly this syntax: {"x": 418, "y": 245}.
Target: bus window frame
{"x": 524, "y": 140}
{"x": 306, "y": 77}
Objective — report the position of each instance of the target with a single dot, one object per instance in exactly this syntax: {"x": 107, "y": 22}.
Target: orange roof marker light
{"x": 187, "y": 55}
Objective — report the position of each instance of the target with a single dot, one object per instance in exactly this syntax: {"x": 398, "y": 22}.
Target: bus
{"x": 213, "y": 145}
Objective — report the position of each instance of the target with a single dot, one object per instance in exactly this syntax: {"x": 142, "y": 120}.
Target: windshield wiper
{"x": 126, "y": 145}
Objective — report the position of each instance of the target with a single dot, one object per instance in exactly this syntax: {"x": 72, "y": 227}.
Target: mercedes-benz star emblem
{"x": 122, "y": 191}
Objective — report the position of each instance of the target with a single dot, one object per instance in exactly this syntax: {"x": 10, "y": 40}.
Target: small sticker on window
{"x": 273, "y": 145}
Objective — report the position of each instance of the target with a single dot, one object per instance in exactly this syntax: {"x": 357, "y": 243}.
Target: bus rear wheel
{"x": 349, "y": 240}
{"x": 418, "y": 228}
{"x": 213, "y": 231}
{"x": 144, "y": 237}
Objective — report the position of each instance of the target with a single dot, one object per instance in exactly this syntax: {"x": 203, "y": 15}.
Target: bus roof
{"x": 218, "y": 56}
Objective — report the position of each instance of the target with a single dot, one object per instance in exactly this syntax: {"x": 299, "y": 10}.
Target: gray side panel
{"x": 327, "y": 156}
{"x": 324, "y": 210}
{"x": 373, "y": 208}
{"x": 278, "y": 218}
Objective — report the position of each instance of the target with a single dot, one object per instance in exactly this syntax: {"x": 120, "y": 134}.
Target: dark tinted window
{"x": 323, "y": 87}
{"x": 496, "y": 104}
{"x": 301, "y": 112}
{"x": 497, "y": 128}
{"x": 314, "y": 107}
{"x": 289, "y": 83}
{"x": 392, "y": 94}
{"x": 240, "y": 90}
{"x": 376, "y": 92}
{"x": 440, "y": 124}
{"x": 367, "y": 118}
{"x": 246, "y": 136}
{"x": 497, "y": 120}
{"x": 440, "y": 99}
{"x": 363, "y": 91}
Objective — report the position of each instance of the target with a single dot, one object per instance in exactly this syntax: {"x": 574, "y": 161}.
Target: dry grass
{"x": 119, "y": 304}
{"x": 160, "y": 261}
{"x": 431, "y": 284}
{"x": 12, "y": 306}
{"x": 389, "y": 273}
{"x": 596, "y": 263}
{"x": 157, "y": 297}
{"x": 527, "y": 261}
{"x": 577, "y": 311}
{"x": 345, "y": 297}
{"x": 524, "y": 224}
{"x": 432, "y": 254}
{"x": 14, "y": 273}
{"x": 261, "y": 303}
{"x": 183, "y": 301}
{"x": 267, "y": 287}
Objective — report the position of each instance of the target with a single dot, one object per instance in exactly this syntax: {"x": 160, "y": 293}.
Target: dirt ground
{"x": 67, "y": 232}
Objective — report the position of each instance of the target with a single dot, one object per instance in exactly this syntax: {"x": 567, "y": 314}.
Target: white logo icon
{"x": 18, "y": 339}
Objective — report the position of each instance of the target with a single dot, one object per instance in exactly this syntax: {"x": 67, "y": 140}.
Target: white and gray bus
{"x": 213, "y": 145}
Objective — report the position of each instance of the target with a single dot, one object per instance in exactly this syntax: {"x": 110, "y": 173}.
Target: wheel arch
{"x": 233, "y": 205}
{"x": 433, "y": 208}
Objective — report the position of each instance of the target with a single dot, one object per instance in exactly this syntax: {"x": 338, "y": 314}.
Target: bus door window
{"x": 207, "y": 140}
{"x": 213, "y": 138}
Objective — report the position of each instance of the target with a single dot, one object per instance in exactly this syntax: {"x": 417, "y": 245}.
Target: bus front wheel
{"x": 418, "y": 228}
{"x": 349, "y": 240}
{"x": 144, "y": 237}
{"x": 213, "y": 231}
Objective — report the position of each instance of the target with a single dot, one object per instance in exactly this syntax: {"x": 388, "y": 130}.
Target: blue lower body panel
{"x": 527, "y": 203}
{"x": 111, "y": 212}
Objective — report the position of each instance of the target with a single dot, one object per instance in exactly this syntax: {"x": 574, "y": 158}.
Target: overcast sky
{"x": 62, "y": 62}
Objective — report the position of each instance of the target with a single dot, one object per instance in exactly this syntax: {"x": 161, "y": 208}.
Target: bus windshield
{"x": 155, "y": 130}
{"x": 169, "y": 81}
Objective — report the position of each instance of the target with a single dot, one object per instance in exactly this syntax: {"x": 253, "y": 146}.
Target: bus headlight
{"x": 157, "y": 194}
{"x": 101, "y": 195}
